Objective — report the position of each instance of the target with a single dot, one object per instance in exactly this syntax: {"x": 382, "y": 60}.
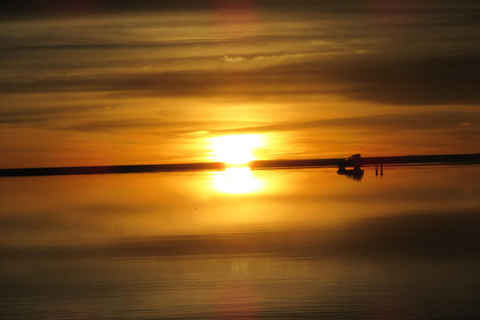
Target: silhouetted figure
{"x": 379, "y": 163}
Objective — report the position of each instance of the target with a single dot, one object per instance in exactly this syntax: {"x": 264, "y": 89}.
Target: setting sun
{"x": 235, "y": 149}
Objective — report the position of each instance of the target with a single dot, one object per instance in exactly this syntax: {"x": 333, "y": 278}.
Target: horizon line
{"x": 471, "y": 158}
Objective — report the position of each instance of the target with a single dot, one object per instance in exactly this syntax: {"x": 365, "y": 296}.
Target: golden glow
{"x": 235, "y": 149}
{"x": 237, "y": 181}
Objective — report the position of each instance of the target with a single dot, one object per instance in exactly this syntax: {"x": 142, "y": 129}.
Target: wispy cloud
{"x": 390, "y": 122}
{"x": 303, "y": 70}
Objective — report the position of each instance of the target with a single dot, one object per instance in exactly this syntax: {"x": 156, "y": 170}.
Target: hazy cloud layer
{"x": 170, "y": 69}
{"x": 435, "y": 81}
{"x": 390, "y": 122}
{"x": 82, "y": 7}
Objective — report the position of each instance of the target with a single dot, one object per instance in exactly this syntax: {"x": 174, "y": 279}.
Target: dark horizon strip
{"x": 218, "y": 166}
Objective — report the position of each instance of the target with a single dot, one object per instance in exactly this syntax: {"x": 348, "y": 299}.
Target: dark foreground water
{"x": 273, "y": 244}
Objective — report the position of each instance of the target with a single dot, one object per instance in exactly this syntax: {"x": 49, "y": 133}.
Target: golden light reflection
{"x": 237, "y": 181}
{"x": 235, "y": 149}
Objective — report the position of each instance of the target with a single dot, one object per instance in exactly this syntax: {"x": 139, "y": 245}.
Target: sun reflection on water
{"x": 237, "y": 180}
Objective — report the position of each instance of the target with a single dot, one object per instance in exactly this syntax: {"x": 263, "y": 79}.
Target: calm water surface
{"x": 267, "y": 244}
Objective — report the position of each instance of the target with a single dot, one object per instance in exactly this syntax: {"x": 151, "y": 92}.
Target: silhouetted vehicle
{"x": 354, "y": 161}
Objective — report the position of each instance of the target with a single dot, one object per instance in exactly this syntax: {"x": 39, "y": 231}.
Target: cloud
{"x": 433, "y": 80}
{"x": 118, "y": 124}
{"x": 304, "y": 56}
{"x": 293, "y": 64}
{"x": 40, "y": 115}
{"x": 385, "y": 122}
{"x": 232, "y": 59}
{"x": 80, "y": 7}
{"x": 406, "y": 81}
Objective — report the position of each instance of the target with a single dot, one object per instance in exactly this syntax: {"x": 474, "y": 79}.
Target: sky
{"x": 119, "y": 82}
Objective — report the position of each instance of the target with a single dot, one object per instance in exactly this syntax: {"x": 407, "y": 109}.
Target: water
{"x": 270, "y": 244}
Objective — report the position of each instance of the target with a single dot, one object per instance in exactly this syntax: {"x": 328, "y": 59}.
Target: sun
{"x": 235, "y": 149}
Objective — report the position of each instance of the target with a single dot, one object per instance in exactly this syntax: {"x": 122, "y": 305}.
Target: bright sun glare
{"x": 235, "y": 149}
{"x": 236, "y": 181}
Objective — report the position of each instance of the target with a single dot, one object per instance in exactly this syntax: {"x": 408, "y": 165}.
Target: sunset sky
{"x": 113, "y": 82}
